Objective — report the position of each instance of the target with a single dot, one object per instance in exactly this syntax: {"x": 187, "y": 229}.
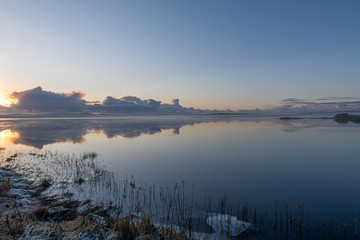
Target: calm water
{"x": 260, "y": 160}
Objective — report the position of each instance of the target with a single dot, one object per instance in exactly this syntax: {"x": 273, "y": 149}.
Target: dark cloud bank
{"x": 37, "y": 100}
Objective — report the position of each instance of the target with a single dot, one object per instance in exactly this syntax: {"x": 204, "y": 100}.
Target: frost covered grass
{"x": 69, "y": 196}
{"x": 26, "y": 215}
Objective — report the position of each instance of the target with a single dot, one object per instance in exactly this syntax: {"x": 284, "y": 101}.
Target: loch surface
{"x": 254, "y": 160}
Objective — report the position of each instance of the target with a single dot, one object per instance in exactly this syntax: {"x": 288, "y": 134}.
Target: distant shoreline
{"x": 281, "y": 116}
{"x": 340, "y": 118}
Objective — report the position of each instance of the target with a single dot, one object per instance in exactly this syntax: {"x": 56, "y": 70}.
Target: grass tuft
{"x": 45, "y": 183}
{"x": 144, "y": 227}
{"x": 41, "y": 213}
{"x": 4, "y": 187}
{"x": 125, "y": 229}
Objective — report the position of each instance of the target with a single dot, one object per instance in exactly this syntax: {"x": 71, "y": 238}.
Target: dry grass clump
{"x": 41, "y": 213}
{"x": 12, "y": 158}
{"x": 12, "y": 223}
{"x": 4, "y": 187}
{"x": 171, "y": 233}
{"x": 71, "y": 226}
{"x": 45, "y": 183}
{"x": 15, "y": 227}
{"x": 144, "y": 227}
{"x": 128, "y": 228}
{"x": 125, "y": 229}
{"x": 86, "y": 225}
{"x": 90, "y": 155}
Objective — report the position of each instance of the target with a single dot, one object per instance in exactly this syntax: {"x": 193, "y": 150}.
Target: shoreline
{"x": 27, "y": 211}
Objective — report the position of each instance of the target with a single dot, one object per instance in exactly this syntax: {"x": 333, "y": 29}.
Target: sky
{"x": 209, "y": 54}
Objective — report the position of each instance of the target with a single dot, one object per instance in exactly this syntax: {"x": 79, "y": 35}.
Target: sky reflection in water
{"x": 254, "y": 160}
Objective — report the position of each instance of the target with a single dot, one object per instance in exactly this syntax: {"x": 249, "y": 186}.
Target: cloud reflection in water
{"x": 40, "y": 132}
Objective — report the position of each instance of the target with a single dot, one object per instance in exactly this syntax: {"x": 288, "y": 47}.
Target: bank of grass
{"x": 53, "y": 219}
{"x": 43, "y": 216}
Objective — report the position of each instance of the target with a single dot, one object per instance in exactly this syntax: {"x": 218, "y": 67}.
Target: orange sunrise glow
{"x": 6, "y": 101}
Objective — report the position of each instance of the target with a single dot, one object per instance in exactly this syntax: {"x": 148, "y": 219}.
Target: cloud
{"x": 337, "y": 98}
{"x": 129, "y": 104}
{"x": 175, "y": 102}
{"x": 292, "y": 100}
{"x": 38, "y": 100}
{"x": 303, "y": 107}
{"x": 328, "y": 104}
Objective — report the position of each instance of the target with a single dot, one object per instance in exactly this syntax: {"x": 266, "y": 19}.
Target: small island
{"x": 346, "y": 118}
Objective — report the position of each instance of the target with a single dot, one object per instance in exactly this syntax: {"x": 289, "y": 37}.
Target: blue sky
{"x": 210, "y": 54}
